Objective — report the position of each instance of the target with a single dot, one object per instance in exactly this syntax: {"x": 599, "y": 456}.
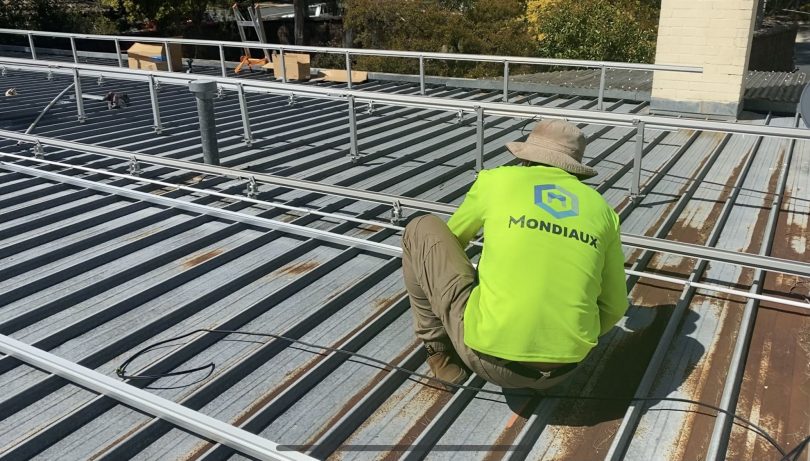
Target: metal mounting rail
{"x": 368, "y": 97}
{"x": 193, "y": 421}
{"x": 721, "y": 433}
{"x": 372, "y": 246}
{"x": 636, "y": 241}
{"x": 251, "y": 191}
{"x": 639, "y": 122}
{"x": 300, "y": 184}
{"x": 295, "y": 229}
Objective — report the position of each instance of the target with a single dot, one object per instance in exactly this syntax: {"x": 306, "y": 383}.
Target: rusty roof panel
{"x": 93, "y": 277}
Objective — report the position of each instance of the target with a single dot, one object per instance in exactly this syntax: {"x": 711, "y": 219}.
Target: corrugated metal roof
{"x": 764, "y": 90}
{"x": 92, "y": 277}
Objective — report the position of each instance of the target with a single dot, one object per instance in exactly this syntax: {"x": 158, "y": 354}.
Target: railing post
{"x": 169, "y": 64}
{"x": 283, "y": 66}
{"x": 73, "y": 50}
{"x": 248, "y": 138}
{"x": 479, "y": 138}
{"x": 77, "y": 85}
{"x": 222, "y": 61}
{"x": 635, "y": 187}
{"x": 354, "y": 152}
{"x": 155, "y": 105}
{"x": 118, "y": 53}
{"x": 601, "y": 104}
{"x": 31, "y": 45}
{"x": 421, "y": 75}
{"x": 506, "y": 81}
{"x": 348, "y": 70}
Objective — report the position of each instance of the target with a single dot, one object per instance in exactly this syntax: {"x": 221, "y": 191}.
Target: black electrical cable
{"x": 793, "y": 455}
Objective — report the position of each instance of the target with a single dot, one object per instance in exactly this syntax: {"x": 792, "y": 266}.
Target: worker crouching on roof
{"x": 550, "y": 278}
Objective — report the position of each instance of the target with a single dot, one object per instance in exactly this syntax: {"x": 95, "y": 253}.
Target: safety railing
{"x": 506, "y": 61}
{"x": 398, "y": 203}
{"x": 353, "y": 97}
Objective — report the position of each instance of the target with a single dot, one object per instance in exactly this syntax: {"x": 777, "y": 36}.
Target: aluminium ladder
{"x": 254, "y": 22}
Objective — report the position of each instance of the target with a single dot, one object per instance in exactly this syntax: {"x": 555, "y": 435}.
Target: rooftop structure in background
{"x": 96, "y": 267}
{"x": 764, "y": 91}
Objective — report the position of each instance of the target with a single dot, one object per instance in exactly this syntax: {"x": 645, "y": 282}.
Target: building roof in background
{"x": 93, "y": 276}
{"x": 764, "y": 91}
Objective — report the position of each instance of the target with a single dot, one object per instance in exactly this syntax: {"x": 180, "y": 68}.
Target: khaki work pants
{"x": 439, "y": 278}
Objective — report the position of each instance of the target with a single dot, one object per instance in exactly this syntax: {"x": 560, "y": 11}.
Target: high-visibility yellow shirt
{"x": 551, "y": 274}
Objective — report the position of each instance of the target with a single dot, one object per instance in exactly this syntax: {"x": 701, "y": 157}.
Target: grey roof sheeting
{"x": 764, "y": 90}
{"x": 93, "y": 276}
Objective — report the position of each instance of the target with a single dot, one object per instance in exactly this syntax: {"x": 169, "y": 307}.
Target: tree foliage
{"x": 54, "y": 15}
{"x": 454, "y": 26}
{"x": 613, "y": 30}
{"x": 621, "y": 30}
{"x": 166, "y": 17}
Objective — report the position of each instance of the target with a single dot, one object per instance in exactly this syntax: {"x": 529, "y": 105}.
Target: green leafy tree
{"x": 614, "y": 30}
{"x": 454, "y": 26}
{"x": 55, "y": 15}
{"x": 167, "y": 17}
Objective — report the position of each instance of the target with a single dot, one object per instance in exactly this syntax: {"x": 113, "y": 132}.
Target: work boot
{"x": 444, "y": 364}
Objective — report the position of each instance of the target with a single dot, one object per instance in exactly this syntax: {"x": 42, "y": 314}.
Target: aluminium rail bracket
{"x": 291, "y": 99}
{"x": 252, "y": 189}
{"x": 220, "y": 92}
{"x": 397, "y": 216}
{"x": 370, "y": 108}
{"x": 636, "y": 198}
{"x": 100, "y": 81}
{"x": 134, "y": 167}
{"x": 459, "y": 117}
{"x": 38, "y": 150}
{"x": 49, "y": 76}
{"x": 3, "y": 71}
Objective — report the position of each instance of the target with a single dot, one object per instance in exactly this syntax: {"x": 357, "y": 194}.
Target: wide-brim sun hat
{"x": 555, "y": 143}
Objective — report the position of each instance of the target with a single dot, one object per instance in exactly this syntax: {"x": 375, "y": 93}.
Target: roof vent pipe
{"x": 205, "y": 91}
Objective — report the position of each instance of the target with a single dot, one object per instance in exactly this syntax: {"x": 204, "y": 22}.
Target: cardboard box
{"x": 152, "y": 56}
{"x": 296, "y": 65}
{"x": 340, "y": 76}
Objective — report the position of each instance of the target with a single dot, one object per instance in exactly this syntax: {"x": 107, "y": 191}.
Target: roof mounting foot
{"x": 134, "y": 167}
{"x": 636, "y": 198}
{"x": 220, "y": 92}
{"x": 252, "y": 189}
{"x": 291, "y": 99}
{"x": 49, "y": 77}
{"x": 100, "y": 80}
{"x": 370, "y": 108}
{"x": 396, "y": 213}
{"x": 459, "y": 117}
{"x": 39, "y": 151}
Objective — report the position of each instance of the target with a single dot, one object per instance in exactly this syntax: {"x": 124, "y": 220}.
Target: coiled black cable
{"x": 793, "y": 455}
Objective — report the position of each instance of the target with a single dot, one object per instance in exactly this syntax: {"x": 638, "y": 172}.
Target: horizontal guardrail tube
{"x": 652, "y": 122}
{"x": 370, "y": 52}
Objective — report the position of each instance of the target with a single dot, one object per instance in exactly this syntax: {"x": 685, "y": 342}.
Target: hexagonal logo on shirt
{"x": 557, "y": 201}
